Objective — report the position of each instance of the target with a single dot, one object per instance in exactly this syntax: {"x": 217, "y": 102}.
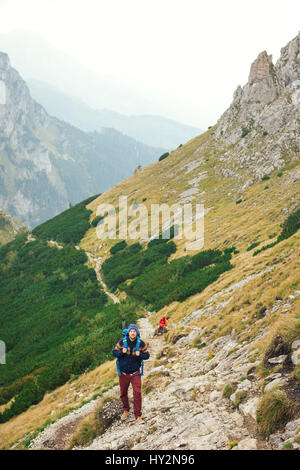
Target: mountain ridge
{"x": 46, "y": 163}
{"x": 153, "y": 130}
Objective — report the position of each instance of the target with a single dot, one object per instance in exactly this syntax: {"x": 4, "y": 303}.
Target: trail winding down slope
{"x": 184, "y": 406}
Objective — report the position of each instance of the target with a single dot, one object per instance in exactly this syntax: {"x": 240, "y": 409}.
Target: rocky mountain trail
{"x": 58, "y": 435}
{"x": 195, "y": 398}
{"x": 184, "y": 406}
{"x": 96, "y": 263}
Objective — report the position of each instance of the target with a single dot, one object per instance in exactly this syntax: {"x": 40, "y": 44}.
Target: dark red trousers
{"x": 125, "y": 380}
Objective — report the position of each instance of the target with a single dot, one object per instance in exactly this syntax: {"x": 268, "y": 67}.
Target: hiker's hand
{"x": 137, "y": 353}
{"x": 124, "y": 350}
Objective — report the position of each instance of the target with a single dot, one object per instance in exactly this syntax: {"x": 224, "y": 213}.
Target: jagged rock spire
{"x": 288, "y": 65}
{"x": 266, "y": 84}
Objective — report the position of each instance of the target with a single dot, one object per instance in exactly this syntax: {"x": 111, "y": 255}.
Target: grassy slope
{"x": 255, "y": 219}
{"x": 59, "y": 320}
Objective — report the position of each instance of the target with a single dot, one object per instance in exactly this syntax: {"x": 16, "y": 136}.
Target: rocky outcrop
{"x": 257, "y": 100}
{"x": 261, "y": 126}
{"x": 9, "y": 228}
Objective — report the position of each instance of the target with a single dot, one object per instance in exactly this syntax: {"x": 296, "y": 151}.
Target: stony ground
{"x": 185, "y": 409}
{"x": 183, "y": 402}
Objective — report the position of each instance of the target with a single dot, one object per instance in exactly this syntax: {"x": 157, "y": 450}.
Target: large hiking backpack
{"x": 125, "y": 344}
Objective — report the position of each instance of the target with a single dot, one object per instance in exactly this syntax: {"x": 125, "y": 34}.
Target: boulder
{"x": 247, "y": 444}
{"x": 249, "y": 408}
{"x": 275, "y": 383}
{"x": 215, "y": 396}
{"x": 278, "y": 359}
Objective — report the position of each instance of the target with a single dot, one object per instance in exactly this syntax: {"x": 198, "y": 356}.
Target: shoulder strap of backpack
{"x": 138, "y": 343}
{"x": 118, "y": 367}
{"x": 125, "y": 338}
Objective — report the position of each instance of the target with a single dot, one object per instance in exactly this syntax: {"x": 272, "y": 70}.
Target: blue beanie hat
{"x": 133, "y": 327}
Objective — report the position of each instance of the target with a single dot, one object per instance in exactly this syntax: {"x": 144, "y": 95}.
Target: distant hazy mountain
{"x": 57, "y": 79}
{"x": 46, "y": 163}
{"x": 152, "y": 130}
{"x": 34, "y": 57}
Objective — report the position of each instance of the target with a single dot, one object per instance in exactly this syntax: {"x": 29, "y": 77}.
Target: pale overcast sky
{"x": 186, "y": 55}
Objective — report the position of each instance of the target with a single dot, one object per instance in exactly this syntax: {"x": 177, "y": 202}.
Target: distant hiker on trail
{"x": 162, "y": 326}
{"x": 130, "y": 352}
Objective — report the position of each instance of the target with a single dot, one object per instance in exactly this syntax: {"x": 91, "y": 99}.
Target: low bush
{"x": 163, "y": 156}
{"x": 239, "y": 397}
{"x": 290, "y": 226}
{"x": 274, "y": 411}
{"x": 96, "y": 220}
{"x": 130, "y": 261}
{"x": 253, "y": 245}
{"x": 86, "y": 433}
{"x": 228, "y": 390}
{"x": 118, "y": 247}
{"x": 245, "y": 132}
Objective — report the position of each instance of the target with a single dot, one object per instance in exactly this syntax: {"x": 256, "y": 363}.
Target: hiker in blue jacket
{"x": 130, "y": 352}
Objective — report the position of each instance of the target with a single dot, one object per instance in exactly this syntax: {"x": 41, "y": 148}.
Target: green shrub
{"x": 118, "y": 247}
{"x": 163, "y": 156}
{"x": 265, "y": 178}
{"x": 253, "y": 245}
{"x": 238, "y": 201}
{"x": 245, "y": 132}
{"x": 164, "y": 282}
{"x": 228, "y": 390}
{"x": 96, "y": 220}
{"x": 274, "y": 411}
{"x": 239, "y": 397}
{"x": 290, "y": 226}
{"x": 132, "y": 260}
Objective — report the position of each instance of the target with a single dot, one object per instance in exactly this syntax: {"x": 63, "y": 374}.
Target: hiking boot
{"x": 139, "y": 420}
{"x": 124, "y": 415}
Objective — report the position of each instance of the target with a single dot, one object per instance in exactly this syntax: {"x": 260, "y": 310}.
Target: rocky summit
{"x": 266, "y": 113}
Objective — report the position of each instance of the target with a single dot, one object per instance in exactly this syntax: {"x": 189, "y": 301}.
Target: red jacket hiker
{"x": 163, "y": 322}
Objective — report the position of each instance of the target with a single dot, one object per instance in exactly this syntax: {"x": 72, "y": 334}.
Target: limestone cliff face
{"x": 46, "y": 163}
{"x": 263, "y": 120}
{"x": 266, "y": 84}
{"x": 288, "y": 65}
